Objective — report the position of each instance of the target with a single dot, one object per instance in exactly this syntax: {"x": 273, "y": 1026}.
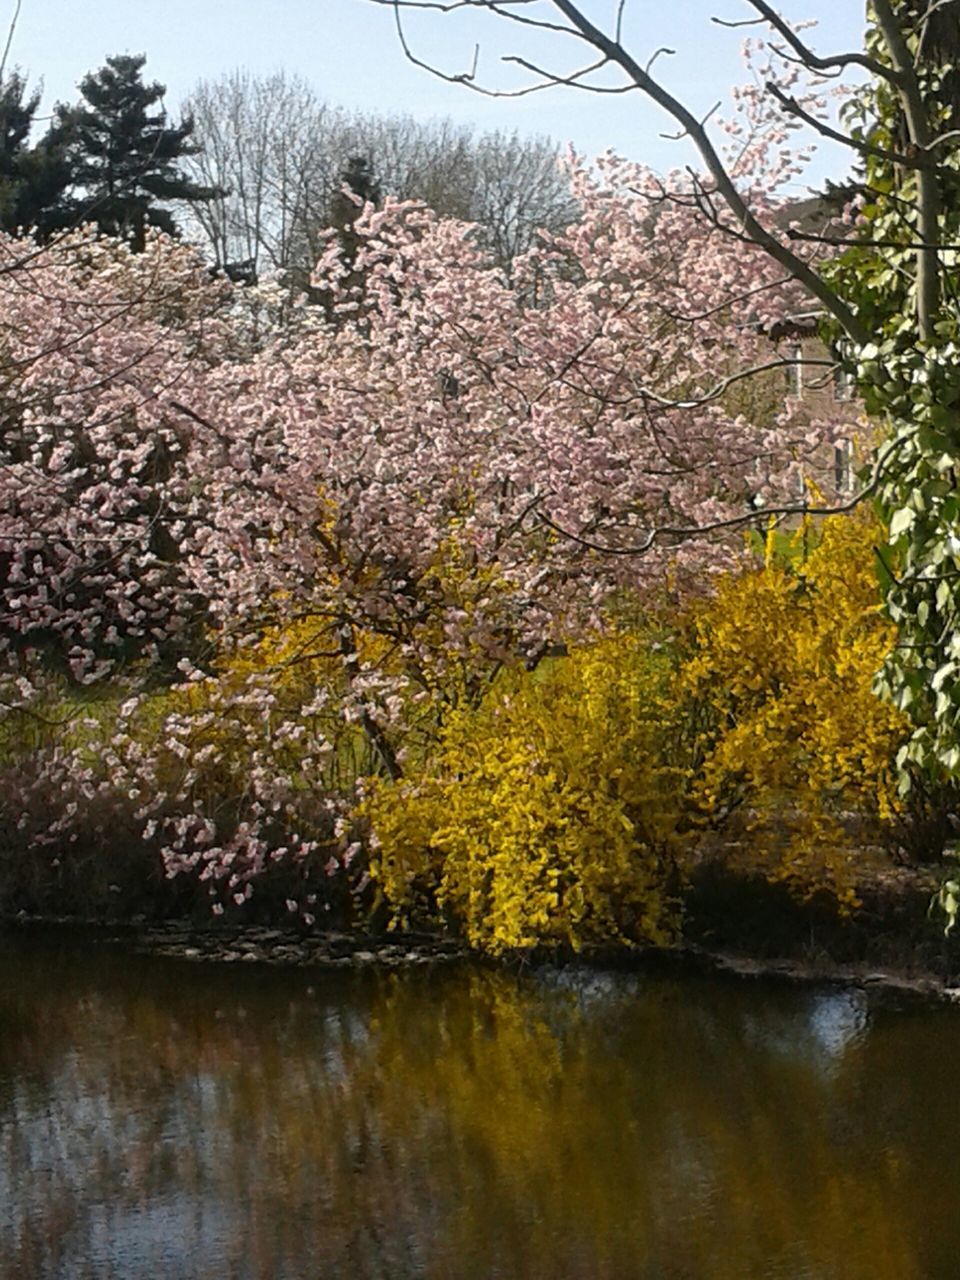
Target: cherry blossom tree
{"x": 460, "y": 473}
{"x": 95, "y": 489}
{"x": 287, "y": 559}
{"x": 240, "y": 571}
{"x": 889, "y": 305}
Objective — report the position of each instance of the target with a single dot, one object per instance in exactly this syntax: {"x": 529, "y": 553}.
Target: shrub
{"x": 547, "y": 815}
{"x": 790, "y": 740}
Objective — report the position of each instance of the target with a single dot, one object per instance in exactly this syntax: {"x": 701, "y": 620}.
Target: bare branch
{"x": 551, "y": 81}
{"x": 836, "y": 62}
{"x": 719, "y": 388}
{"x": 792, "y": 107}
{"x": 662, "y": 50}
{"x": 618, "y": 29}
{"x": 852, "y": 243}
{"x": 681, "y": 532}
{"x": 692, "y": 318}
{"x": 10, "y": 33}
{"x": 752, "y": 228}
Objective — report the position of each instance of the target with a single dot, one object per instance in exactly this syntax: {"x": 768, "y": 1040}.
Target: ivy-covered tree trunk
{"x": 903, "y": 279}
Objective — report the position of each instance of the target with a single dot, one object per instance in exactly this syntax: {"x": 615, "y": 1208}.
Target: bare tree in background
{"x": 261, "y": 142}
{"x": 511, "y": 185}
{"x": 516, "y": 192}
{"x": 279, "y": 153}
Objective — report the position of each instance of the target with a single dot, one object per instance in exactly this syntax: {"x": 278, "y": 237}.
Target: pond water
{"x": 166, "y": 1119}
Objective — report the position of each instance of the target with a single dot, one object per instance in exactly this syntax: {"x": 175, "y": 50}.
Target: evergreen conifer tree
{"x": 357, "y": 186}
{"x": 124, "y": 154}
{"x": 32, "y": 178}
{"x": 357, "y": 177}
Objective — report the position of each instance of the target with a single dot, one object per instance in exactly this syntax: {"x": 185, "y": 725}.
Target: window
{"x": 794, "y": 372}
{"x": 843, "y": 386}
{"x": 843, "y": 473}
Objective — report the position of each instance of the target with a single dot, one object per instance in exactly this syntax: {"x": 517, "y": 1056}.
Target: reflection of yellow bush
{"x": 546, "y": 815}
{"x": 792, "y": 733}
{"x": 477, "y": 1123}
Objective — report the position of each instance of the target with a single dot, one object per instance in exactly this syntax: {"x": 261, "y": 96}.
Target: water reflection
{"x": 166, "y": 1120}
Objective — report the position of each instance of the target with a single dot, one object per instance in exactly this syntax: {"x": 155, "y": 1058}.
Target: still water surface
{"x": 161, "y": 1119}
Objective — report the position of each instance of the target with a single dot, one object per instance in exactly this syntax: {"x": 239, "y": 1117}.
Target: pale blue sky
{"x": 348, "y": 50}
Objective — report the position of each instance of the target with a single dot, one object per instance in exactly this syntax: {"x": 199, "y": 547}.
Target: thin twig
{"x": 10, "y": 32}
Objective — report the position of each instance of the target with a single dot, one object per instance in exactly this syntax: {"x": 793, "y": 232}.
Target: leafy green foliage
{"x": 909, "y": 375}
{"x": 947, "y": 901}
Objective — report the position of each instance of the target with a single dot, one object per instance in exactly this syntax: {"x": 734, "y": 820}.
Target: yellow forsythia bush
{"x": 791, "y": 736}
{"x": 546, "y": 815}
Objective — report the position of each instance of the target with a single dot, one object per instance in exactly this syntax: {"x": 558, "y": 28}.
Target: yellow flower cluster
{"x": 548, "y": 814}
{"x": 790, "y": 734}
{"x": 568, "y": 806}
